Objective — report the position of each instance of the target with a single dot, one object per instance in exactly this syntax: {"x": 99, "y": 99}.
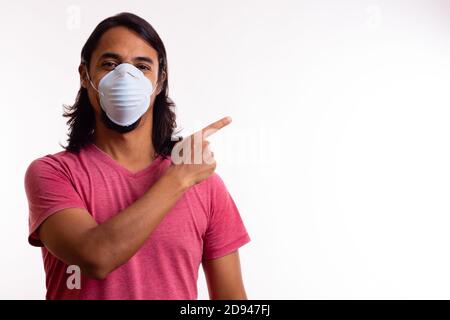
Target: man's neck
{"x": 133, "y": 150}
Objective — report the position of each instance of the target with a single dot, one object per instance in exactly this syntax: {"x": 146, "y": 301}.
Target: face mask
{"x": 124, "y": 94}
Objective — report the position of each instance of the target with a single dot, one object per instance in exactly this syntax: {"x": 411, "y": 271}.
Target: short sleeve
{"x": 49, "y": 190}
{"x": 226, "y": 231}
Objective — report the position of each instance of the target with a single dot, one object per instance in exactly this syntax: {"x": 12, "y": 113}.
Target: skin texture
{"x": 73, "y": 236}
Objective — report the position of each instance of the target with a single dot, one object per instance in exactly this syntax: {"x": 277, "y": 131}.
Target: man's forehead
{"x": 125, "y": 43}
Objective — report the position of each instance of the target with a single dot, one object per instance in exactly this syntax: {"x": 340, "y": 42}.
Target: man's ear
{"x": 161, "y": 80}
{"x": 84, "y": 82}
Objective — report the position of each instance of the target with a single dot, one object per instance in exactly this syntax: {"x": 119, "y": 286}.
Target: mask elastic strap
{"x": 90, "y": 81}
{"x": 154, "y": 88}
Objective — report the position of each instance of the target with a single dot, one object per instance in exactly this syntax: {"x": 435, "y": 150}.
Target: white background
{"x": 338, "y": 156}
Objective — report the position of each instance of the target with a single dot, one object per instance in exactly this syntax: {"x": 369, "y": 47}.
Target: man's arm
{"x": 224, "y": 278}
{"x": 73, "y": 236}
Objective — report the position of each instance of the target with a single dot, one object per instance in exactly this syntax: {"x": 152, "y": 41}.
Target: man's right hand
{"x": 192, "y": 159}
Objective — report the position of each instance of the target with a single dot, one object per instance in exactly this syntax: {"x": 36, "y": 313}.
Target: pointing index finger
{"x": 215, "y": 126}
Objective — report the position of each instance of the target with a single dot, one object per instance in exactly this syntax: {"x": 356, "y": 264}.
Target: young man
{"x": 118, "y": 205}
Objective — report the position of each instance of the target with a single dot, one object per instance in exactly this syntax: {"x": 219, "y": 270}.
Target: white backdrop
{"x": 338, "y": 156}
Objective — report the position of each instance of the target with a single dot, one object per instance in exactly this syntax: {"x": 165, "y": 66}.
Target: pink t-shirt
{"x": 204, "y": 224}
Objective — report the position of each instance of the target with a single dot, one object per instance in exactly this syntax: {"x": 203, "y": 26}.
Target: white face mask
{"x": 124, "y": 94}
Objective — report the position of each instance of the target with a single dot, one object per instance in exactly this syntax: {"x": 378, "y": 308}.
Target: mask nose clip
{"x": 125, "y": 69}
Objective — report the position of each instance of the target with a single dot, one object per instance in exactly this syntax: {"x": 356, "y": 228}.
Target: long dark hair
{"x": 81, "y": 114}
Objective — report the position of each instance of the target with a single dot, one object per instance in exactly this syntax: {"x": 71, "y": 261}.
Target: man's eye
{"x": 109, "y": 64}
{"x": 143, "y": 67}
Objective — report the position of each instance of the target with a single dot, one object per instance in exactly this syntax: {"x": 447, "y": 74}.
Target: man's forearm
{"x": 116, "y": 240}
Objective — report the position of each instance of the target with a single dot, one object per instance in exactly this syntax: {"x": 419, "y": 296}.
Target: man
{"x": 126, "y": 204}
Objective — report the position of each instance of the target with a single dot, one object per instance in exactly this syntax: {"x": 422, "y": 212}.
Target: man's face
{"x": 116, "y": 46}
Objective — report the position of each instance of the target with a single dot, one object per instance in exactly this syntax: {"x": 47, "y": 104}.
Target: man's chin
{"x": 118, "y": 128}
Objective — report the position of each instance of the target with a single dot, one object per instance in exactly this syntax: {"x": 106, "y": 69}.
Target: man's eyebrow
{"x": 145, "y": 59}
{"x": 111, "y": 55}
{"x": 114, "y": 55}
